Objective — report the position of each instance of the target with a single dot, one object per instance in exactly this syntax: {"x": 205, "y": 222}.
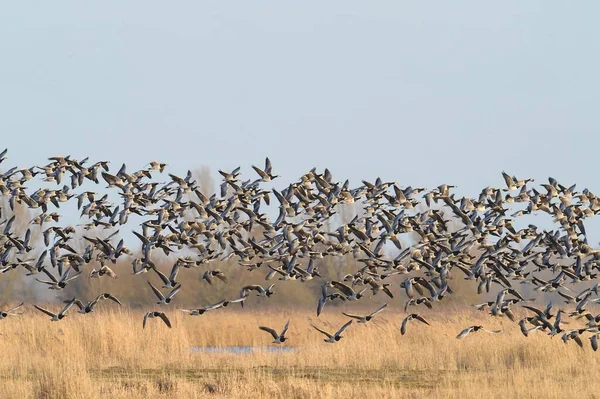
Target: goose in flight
{"x": 209, "y": 228}
{"x": 471, "y": 329}
{"x": 107, "y": 295}
{"x": 89, "y": 307}
{"x": 327, "y": 297}
{"x": 410, "y": 317}
{"x": 510, "y": 181}
{"x": 259, "y": 289}
{"x": 542, "y": 317}
{"x": 526, "y": 331}
{"x": 60, "y": 315}
{"x": 104, "y": 270}
{"x": 266, "y": 293}
{"x": 199, "y": 311}
{"x": 222, "y": 304}
{"x": 364, "y": 319}
{"x": 375, "y": 287}
{"x": 155, "y": 165}
{"x": 56, "y": 284}
{"x": 335, "y": 337}
{"x": 152, "y": 315}
{"x": 418, "y": 301}
{"x": 171, "y": 281}
{"x": 594, "y": 341}
{"x": 266, "y": 175}
{"x": 279, "y": 338}
{"x": 574, "y": 335}
{"x": 208, "y": 275}
{"x": 348, "y": 292}
{"x": 10, "y": 312}
{"x": 162, "y": 299}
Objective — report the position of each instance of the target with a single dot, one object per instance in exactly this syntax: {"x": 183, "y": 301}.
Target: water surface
{"x": 241, "y": 350}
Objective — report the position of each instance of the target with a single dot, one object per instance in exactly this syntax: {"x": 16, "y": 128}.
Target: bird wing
{"x": 262, "y": 174}
{"x": 536, "y": 311}
{"x": 79, "y": 304}
{"x": 404, "y": 325}
{"x": 143, "y": 239}
{"x": 322, "y": 331}
{"x": 49, "y": 313}
{"x": 311, "y": 267}
{"x": 71, "y": 278}
{"x": 174, "y": 272}
{"x": 15, "y": 308}
{"x": 343, "y": 288}
{"x": 533, "y": 329}
{"x": 109, "y": 271}
{"x": 320, "y": 305}
{"x": 164, "y": 278}
{"x": 145, "y": 319}
{"x": 341, "y": 330}
{"x": 287, "y": 325}
{"x": 174, "y": 291}
{"x": 516, "y": 293}
{"x": 508, "y": 180}
{"x": 387, "y": 291}
{"x": 277, "y": 270}
{"x": 215, "y": 306}
{"x": 158, "y": 294}
{"x": 67, "y": 306}
{"x": 594, "y": 342}
{"x": 407, "y": 304}
{"x": 268, "y": 166}
{"x": 510, "y": 314}
{"x": 546, "y": 323}
{"x": 492, "y": 331}
{"x": 271, "y": 274}
{"x": 417, "y": 287}
{"x": 94, "y": 302}
{"x": 165, "y": 319}
{"x": 524, "y": 329}
{"x": 352, "y": 315}
{"x": 421, "y": 319}
{"x": 323, "y": 290}
{"x": 442, "y": 291}
{"x": 253, "y": 288}
{"x": 113, "y": 298}
{"x": 270, "y": 331}
{"x": 50, "y": 275}
{"x": 464, "y": 332}
{"x": 379, "y": 310}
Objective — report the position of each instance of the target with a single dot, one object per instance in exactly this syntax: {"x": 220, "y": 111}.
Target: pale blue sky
{"x": 418, "y": 92}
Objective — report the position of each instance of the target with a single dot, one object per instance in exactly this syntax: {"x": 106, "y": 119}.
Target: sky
{"x": 415, "y": 92}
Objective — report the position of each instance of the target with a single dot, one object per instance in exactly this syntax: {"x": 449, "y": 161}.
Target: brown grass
{"x": 107, "y": 354}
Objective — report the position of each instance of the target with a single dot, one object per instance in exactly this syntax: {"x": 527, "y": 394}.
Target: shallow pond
{"x": 241, "y": 350}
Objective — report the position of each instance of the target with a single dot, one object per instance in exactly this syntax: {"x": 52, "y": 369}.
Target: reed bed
{"x": 108, "y": 354}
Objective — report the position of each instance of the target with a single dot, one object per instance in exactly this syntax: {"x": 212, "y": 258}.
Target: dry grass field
{"x": 108, "y": 354}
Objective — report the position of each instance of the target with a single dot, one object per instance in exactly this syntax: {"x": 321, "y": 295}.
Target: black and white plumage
{"x": 333, "y": 338}
{"x": 279, "y": 338}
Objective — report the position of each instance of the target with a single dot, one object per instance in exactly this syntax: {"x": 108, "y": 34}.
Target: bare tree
{"x": 204, "y": 179}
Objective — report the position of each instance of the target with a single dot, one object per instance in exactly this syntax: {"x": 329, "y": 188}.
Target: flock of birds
{"x": 421, "y": 239}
